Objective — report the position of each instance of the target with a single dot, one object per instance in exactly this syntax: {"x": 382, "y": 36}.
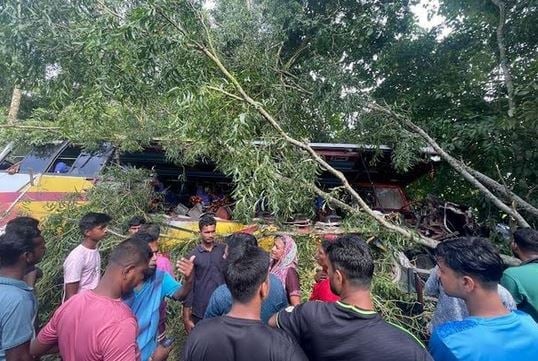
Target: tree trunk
{"x": 14, "y": 106}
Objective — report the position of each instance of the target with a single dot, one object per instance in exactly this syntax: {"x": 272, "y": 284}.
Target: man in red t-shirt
{"x": 96, "y": 324}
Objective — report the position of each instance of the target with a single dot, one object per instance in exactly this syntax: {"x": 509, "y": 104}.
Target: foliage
{"x": 129, "y": 72}
{"x": 121, "y": 194}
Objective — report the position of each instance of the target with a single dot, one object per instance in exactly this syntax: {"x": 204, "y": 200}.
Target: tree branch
{"x": 502, "y": 55}
{"x": 224, "y": 92}
{"x": 31, "y": 127}
{"x": 454, "y": 163}
{"x": 303, "y": 145}
{"x": 500, "y": 189}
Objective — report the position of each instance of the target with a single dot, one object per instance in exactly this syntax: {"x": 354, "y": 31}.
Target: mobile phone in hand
{"x": 167, "y": 342}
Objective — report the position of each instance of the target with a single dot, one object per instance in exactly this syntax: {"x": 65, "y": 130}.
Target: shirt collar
{"x": 15, "y": 282}
{"x": 356, "y": 310}
{"x": 202, "y": 249}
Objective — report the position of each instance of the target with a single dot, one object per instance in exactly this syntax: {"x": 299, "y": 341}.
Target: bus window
{"x": 65, "y": 160}
{"x": 40, "y": 158}
{"x": 90, "y": 164}
{"x": 389, "y": 198}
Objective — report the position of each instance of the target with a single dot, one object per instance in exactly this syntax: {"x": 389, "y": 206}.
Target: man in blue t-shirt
{"x": 470, "y": 268}
{"x": 220, "y": 302}
{"x": 147, "y": 297}
{"x": 21, "y": 247}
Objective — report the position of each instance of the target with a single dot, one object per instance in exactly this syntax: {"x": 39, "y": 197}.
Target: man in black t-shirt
{"x": 349, "y": 329}
{"x": 240, "y": 335}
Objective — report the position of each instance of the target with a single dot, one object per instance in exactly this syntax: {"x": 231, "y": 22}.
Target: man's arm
{"x": 71, "y": 289}
{"x": 73, "y": 266}
{"x": 17, "y": 328}
{"x": 185, "y": 267}
{"x": 38, "y": 349}
{"x": 19, "y": 353}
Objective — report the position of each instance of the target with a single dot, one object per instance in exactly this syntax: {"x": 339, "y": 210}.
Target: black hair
{"x": 130, "y": 251}
{"x": 325, "y": 245}
{"x": 13, "y": 244}
{"x": 472, "y": 256}
{"x": 526, "y": 239}
{"x": 207, "y": 219}
{"x": 152, "y": 229}
{"x": 21, "y": 222}
{"x": 144, "y": 237}
{"x": 243, "y": 275}
{"x": 92, "y": 220}
{"x": 351, "y": 255}
{"x": 238, "y": 242}
{"x": 136, "y": 221}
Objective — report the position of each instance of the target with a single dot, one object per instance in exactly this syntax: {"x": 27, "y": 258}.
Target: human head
{"x": 207, "y": 225}
{"x": 321, "y": 254}
{"x": 467, "y": 264}
{"x": 135, "y": 223}
{"x": 93, "y": 225}
{"x": 21, "y": 221}
{"x": 153, "y": 229}
{"x": 154, "y": 248}
{"x": 129, "y": 261}
{"x": 283, "y": 245}
{"x": 350, "y": 264}
{"x": 21, "y": 245}
{"x": 236, "y": 243}
{"x": 246, "y": 276}
{"x": 525, "y": 242}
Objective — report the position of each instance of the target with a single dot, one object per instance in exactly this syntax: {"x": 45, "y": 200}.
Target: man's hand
{"x": 185, "y": 266}
{"x": 161, "y": 353}
{"x": 189, "y": 325}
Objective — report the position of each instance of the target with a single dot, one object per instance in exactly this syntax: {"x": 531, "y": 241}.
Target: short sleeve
{"x": 293, "y": 320}
{"x": 164, "y": 264}
{"x": 511, "y": 285}
{"x": 293, "y": 287}
{"x": 439, "y": 350}
{"x": 17, "y": 324}
{"x": 169, "y": 286}
{"x": 73, "y": 266}
{"x": 220, "y": 303}
{"x": 49, "y": 334}
{"x": 120, "y": 342}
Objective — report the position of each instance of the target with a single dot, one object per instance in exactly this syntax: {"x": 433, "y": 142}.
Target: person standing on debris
{"x": 82, "y": 267}
{"x": 240, "y": 335}
{"x": 221, "y": 300}
{"x": 470, "y": 268}
{"x": 18, "y": 305}
{"x": 453, "y": 308}
{"x": 208, "y": 272}
{"x": 96, "y": 324}
{"x": 348, "y": 329}
{"x": 146, "y": 299}
{"x": 522, "y": 281}
{"x": 284, "y": 267}
{"x": 322, "y": 288}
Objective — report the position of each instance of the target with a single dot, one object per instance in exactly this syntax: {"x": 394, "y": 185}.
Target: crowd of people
{"x": 242, "y": 303}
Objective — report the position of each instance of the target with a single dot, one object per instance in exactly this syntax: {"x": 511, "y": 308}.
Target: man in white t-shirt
{"x": 82, "y": 268}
